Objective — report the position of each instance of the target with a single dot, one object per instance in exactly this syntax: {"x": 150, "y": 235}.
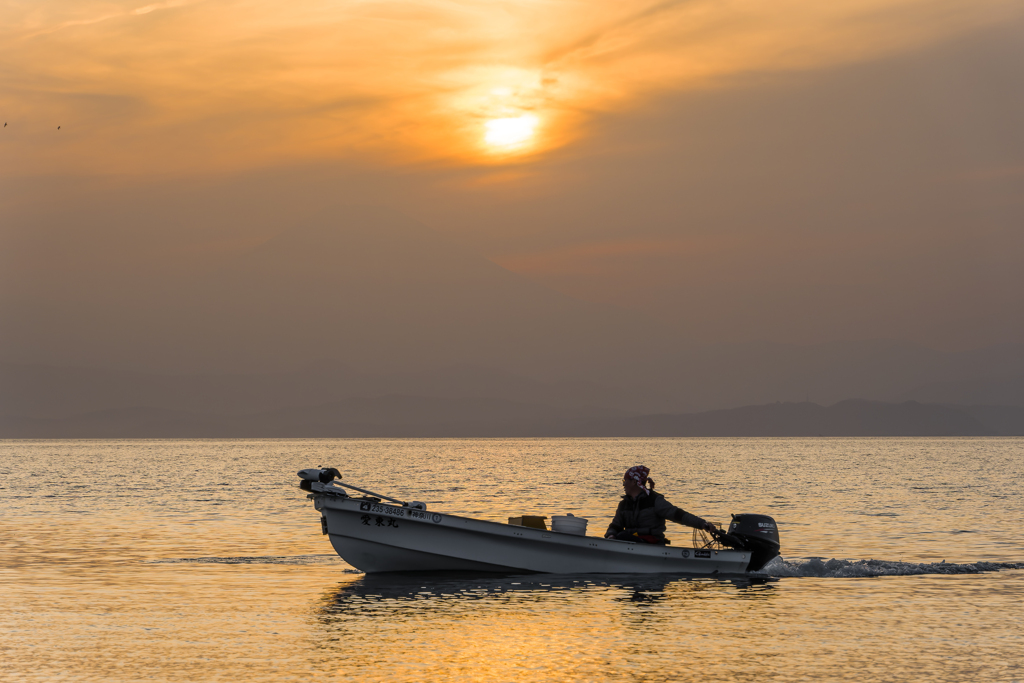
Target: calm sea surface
{"x": 202, "y": 560}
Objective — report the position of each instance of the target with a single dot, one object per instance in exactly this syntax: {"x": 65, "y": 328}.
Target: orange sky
{"x": 187, "y": 86}
{"x": 735, "y": 169}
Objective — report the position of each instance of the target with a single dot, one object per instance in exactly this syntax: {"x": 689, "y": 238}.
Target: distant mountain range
{"x": 772, "y": 374}
{"x": 412, "y": 416}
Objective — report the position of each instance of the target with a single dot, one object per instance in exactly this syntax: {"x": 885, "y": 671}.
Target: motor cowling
{"x": 758, "y": 534}
{"x": 323, "y": 475}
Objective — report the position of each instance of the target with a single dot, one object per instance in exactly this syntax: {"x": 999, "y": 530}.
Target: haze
{"x": 674, "y": 200}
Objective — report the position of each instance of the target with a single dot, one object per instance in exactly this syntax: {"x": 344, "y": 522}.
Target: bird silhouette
{"x": 58, "y": 127}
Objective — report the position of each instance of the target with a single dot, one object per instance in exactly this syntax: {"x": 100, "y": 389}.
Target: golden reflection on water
{"x": 551, "y": 628}
{"x": 112, "y": 571}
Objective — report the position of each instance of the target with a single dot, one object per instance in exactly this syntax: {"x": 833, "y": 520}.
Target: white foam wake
{"x": 862, "y": 568}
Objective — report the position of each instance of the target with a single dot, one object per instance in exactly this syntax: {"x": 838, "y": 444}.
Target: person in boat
{"x": 642, "y": 512}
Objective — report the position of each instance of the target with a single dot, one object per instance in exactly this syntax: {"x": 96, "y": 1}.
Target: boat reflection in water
{"x": 428, "y": 589}
{"x": 541, "y": 627}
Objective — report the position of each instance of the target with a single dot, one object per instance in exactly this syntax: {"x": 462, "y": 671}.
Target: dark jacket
{"x": 646, "y": 515}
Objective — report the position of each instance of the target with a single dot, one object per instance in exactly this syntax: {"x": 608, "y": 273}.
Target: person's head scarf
{"x": 639, "y": 475}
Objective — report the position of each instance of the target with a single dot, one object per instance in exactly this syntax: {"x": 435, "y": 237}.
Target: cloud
{"x": 609, "y": 258}
{"x": 619, "y": 25}
{"x": 138, "y": 11}
{"x": 254, "y": 83}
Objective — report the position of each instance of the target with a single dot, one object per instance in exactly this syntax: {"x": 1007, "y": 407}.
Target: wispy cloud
{"x": 602, "y": 257}
{"x": 617, "y": 25}
{"x": 255, "y": 82}
{"x": 138, "y": 11}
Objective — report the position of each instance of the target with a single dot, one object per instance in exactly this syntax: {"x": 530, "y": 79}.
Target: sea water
{"x": 202, "y": 560}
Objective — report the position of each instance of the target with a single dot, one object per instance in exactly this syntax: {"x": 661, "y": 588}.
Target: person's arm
{"x": 616, "y": 526}
{"x": 667, "y": 510}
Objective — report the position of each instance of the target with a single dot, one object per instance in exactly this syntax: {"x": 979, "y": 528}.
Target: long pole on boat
{"x": 378, "y": 495}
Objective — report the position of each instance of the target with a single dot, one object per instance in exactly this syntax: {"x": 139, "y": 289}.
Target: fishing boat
{"x": 376, "y": 533}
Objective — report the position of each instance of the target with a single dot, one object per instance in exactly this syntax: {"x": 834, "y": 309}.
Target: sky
{"x": 190, "y": 86}
{"x": 799, "y": 172}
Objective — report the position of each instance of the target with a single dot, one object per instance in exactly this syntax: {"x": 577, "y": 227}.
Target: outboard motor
{"x": 324, "y": 475}
{"x": 757, "y": 533}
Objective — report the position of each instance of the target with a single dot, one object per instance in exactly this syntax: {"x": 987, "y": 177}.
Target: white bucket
{"x": 568, "y": 524}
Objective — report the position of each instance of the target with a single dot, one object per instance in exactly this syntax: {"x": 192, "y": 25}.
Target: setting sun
{"x": 510, "y": 133}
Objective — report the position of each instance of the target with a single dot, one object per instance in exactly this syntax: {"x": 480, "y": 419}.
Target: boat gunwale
{"x": 511, "y": 531}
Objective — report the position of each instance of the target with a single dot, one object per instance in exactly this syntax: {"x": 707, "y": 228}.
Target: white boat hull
{"x": 376, "y": 537}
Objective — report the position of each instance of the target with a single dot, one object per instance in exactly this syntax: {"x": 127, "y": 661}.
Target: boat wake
{"x": 848, "y": 569}
{"x": 255, "y": 559}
